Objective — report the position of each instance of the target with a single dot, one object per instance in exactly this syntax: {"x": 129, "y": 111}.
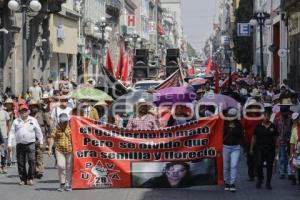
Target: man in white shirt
{"x": 4, "y": 122}
{"x": 25, "y": 130}
{"x": 36, "y": 91}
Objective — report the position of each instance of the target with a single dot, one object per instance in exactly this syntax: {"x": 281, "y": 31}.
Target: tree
{"x": 191, "y": 51}
{"x": 243, "y": 46}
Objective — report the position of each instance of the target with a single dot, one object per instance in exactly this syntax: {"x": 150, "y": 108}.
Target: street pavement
{"x": 46, "y": 189}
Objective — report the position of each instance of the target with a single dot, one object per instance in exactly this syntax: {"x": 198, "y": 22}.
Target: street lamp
{"x": 24, "y": 6}
{"x": 261, "y": 18}
{"x": 135, "y": 38}
{"x": 103, "y": 27}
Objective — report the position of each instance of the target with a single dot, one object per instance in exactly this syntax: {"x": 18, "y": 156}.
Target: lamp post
{"x": 103, "y": 27}
{"x": 24, "y": 6}
{"x": 261, "y": 18}
{"x": 136, "y": 38}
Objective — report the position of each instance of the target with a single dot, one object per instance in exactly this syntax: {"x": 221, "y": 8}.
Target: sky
{"x": 197, "y": 21}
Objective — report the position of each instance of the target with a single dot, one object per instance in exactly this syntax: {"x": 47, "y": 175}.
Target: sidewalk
{"x": 46, "y": 189}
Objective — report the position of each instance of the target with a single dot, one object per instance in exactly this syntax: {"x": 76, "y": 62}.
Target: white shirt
{"x": 4, "y": 117}
{"x": 25, "y": 132}
{"x": 57, "y": 111}
{"x": 36, "y": 92}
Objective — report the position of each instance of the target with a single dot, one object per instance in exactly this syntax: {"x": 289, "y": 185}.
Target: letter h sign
{"x": 131, "y": 20}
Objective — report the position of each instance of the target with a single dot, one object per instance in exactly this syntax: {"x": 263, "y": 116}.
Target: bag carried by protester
{"x": 296, "y": 157}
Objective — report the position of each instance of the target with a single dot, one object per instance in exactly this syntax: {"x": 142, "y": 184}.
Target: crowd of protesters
{"x": 267, "y": 128}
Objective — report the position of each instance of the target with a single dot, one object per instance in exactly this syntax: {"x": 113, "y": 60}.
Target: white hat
{"x": 232, "y": 112}
{"x": 45, "y": 96}
{"x": 286, "y": 102}
{"x": 267, "y": 105}
{"x": 142, "y": 100}
{"x": 295, "y": 116}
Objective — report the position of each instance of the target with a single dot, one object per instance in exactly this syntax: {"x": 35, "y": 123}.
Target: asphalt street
{"x": 46, "y": 189}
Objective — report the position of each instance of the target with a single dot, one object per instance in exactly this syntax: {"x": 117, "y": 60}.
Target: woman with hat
{"x": 143, "y": 120}
{"x": 295, "y": 147}
{"x": 263, "y": 146}
{"x": 232, "y": 140}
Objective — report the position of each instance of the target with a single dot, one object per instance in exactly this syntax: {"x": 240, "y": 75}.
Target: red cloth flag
{"x": 120, "y": 64}
{"x": 191, "y": 71}
{"x": 109, "y": 63}
{"x": 125, "y": 70}
{"x": 209, "y": 66}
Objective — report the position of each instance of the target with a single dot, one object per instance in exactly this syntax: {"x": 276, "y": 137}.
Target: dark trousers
{"x": 250, "y": 162}
{"x": 26, "y": 152}
{"x": 265, "y": 154}
{"x": 4, "y": 153}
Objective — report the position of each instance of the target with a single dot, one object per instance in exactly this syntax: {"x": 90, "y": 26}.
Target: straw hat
{"x": 276, "y": 97}
{"x": 286, "y": 102}
{"x": 45, "y": 96}
{"x": 32, "y": 102}
{"x": 8, "y": 101}
{"x": 101, "y": 103}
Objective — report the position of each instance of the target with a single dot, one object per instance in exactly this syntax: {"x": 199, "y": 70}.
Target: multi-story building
{"x": 274, "y": 40}
{"x": 63, "y": 27}
{"x": 291, "y": 14}
{"x": 37, "y": 38}
{"x": 173, "y": 9}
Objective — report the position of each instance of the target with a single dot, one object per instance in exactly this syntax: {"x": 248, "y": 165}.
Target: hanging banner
{"x": 181, "y": 156}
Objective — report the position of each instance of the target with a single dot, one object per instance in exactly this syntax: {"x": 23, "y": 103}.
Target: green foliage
{"x": 243, "y": 46}
{"x": 191, "y": 51}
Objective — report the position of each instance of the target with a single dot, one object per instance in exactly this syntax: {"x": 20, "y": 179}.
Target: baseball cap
{"x": 63, "y": 117}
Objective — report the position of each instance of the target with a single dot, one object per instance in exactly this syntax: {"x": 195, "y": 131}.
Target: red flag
{"x": 120, "y": 64}
{"x": 191, "y": 71}
{"x": 125, "y": 70}
{"x": 109, "y": 63}
{"x": 209, "y": 66}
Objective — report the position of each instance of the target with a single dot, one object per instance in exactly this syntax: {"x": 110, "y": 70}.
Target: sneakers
{"x": 227, "y": 187}
{"x": 232, "y": 188}
{"x": 21, "y": 183}
{"x": 30, "y": 182}
{"x": 64, "y": 187}
{"x": 68, "y": 188}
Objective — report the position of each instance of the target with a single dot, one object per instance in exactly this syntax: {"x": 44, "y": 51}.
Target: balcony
{"x": 113, "y": 7}
{"x": 54, "y": 6}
